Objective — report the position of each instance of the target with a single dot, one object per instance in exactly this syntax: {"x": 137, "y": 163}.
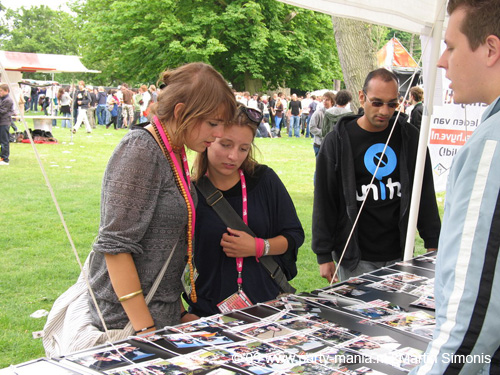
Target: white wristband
{"x": 266, "y": 248}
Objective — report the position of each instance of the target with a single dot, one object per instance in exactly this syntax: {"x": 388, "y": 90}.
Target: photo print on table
{"x": 110, "y": 357}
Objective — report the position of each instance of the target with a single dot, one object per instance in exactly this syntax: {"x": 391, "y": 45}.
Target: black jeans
{"x": 4, "y": 142}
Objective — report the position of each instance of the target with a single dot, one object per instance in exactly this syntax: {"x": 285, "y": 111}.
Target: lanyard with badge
{"x": 239, "y": 299}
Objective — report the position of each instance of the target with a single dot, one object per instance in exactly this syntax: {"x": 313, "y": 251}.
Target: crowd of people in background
{"x": 120, "y": 107}
{"x": 299, "y": 116}
{"x": 292, "y": 114}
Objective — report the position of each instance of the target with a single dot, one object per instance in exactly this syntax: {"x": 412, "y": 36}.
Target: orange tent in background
{"x": 394, "y": 54}
{"x": 394, "y": 57}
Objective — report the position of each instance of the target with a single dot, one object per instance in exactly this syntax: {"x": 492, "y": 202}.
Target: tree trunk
{"x": 252, "y": 85}
{"x": 356, "y": 54}
{"x": 336, "y": 84}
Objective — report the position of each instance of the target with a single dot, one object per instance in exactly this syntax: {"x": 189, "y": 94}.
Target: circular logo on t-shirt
{"x": 389, "y": 161}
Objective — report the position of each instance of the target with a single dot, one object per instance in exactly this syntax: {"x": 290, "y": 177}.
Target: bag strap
{"x": 230, "y": 218}
{"x": 157, "y": 282}
{"x": 154, "y": 287}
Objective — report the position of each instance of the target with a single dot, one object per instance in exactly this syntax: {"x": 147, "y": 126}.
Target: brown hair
{"x": 5, "y": 87}
{"x": 330, "y": 95}
{"x": 481, "y": 19}
{"x": 60, "y": 93}
{"x": 417, "y": 93}
{"x": 241, "y": 119}
{"x": 201, "y": 89}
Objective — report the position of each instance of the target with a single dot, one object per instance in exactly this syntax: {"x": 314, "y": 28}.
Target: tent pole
{"x": 424, "y": 131}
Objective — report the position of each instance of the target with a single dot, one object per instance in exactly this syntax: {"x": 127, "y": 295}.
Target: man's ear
{"x": 178, "y": 109}
{"x": 361, "y": 96}
{"x": 493, "y": 45}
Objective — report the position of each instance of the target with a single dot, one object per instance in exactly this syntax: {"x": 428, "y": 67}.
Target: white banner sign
{"x": 451, "y": 125}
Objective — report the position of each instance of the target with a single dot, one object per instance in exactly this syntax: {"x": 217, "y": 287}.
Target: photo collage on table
{"x": 370, "y": 324}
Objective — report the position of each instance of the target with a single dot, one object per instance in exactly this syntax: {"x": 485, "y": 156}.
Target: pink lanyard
{"x": 186, "y": 182}
{"x": 239, "y": 261}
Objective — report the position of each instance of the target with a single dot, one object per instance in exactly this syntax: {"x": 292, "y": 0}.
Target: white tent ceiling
{"x": 412, "y": 16}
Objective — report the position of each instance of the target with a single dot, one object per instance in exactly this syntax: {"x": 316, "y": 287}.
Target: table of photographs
{"x": 378, "y": 323}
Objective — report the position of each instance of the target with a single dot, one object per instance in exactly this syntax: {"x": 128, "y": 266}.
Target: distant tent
{"x": 394, "y": 54}
{"x": 395, "y": 57}
{"x": 39, "y": 62}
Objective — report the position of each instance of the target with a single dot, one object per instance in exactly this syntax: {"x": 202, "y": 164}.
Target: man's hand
{"x": 327, "y": 270}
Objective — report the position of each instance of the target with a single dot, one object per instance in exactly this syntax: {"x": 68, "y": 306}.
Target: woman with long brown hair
{"x": 148, "y": 202}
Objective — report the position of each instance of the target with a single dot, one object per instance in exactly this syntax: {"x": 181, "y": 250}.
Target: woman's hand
{"x": 238, "y": 244}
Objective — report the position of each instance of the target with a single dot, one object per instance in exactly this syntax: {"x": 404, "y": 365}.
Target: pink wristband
{"x": 259, "y": 248}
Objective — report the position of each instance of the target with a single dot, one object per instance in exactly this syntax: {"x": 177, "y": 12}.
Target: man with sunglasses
{"x": 366, "y": 163}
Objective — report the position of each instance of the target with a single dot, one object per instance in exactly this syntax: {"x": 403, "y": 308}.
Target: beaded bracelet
{"x": 129, "y": 296}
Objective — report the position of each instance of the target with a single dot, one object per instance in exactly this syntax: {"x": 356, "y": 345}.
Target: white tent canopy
{"x": 412, "y": 16}
{"x": 40, "y": 62}
{"x": 424, "y": 17}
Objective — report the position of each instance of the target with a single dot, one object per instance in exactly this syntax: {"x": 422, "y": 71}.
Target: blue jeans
{"x": 4, "y": 142}
{"x": 66, "y": 123}
{"x": 316, "y": 150}
{"x": 101, "y": 114}
{"x": 277, "y": 122}
{"x": 295, "y": 126}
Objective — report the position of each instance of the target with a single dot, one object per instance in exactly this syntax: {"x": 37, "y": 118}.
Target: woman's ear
{"x": 178, "y": 109}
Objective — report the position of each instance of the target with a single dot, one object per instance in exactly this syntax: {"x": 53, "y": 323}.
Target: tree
{"x": 254, "y": 44}
{"x": 356, "y": 53}
{"x": 3, "y": 25}
{"x": 40, "y": 30}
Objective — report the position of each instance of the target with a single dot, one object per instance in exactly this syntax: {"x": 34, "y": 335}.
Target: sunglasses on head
{"x": 253, "y": 114}
{"x": 378, "y": 104}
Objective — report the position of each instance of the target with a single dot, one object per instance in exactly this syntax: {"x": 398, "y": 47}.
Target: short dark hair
{"x": 382, "y": 73}
{"x": 5, "y": 87}
{"x": 481, "y": 19}
{"x": 344, "y": 97}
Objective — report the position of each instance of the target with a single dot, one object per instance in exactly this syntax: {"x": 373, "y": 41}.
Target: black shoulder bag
{"x": 231, "y": 219}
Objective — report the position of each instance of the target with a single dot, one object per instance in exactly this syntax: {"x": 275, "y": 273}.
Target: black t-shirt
{"x": 295, "y": 106}
{"x": 378, "y": 225}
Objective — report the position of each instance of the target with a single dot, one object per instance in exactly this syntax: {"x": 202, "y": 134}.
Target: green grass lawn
{"x": 38, "y": 264}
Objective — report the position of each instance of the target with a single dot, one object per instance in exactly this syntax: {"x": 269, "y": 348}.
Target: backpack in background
{"x": 330, "y": 120}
